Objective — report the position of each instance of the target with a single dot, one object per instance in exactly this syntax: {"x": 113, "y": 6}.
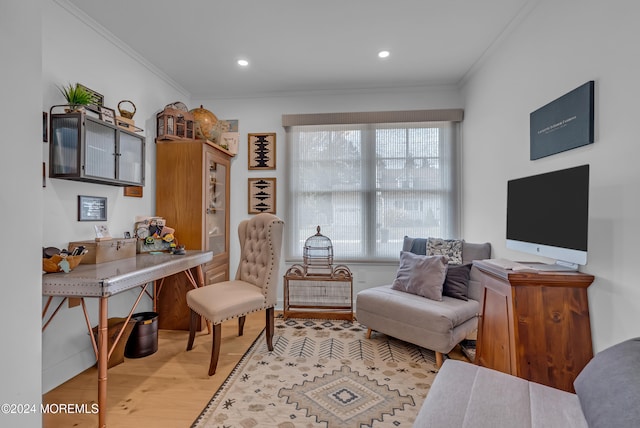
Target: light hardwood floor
{"x": 167, "y": 389}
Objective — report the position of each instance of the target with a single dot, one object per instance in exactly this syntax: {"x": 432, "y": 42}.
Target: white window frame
{"x": 370, "y": 243}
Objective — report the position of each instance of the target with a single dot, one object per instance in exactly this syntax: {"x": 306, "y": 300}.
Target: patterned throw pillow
{"x": 450, "y": 248}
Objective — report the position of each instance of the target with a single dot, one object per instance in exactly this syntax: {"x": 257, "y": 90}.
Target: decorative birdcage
{"x": 317, "y": 288}
{"x": 175, "y": 122}
{"x": 317, "y": 255}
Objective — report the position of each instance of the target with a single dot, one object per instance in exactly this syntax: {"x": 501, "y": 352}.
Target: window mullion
{"x": 369, "y": 219}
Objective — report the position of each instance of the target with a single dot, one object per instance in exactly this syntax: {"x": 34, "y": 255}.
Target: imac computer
{"x": 548, "y": 215}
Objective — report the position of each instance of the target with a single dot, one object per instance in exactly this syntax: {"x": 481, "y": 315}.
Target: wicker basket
{"x": 51, "y": 265}
{"x": 126, "y": 113}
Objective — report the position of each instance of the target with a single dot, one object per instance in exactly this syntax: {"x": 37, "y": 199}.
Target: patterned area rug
{"x": 323, "y": 373}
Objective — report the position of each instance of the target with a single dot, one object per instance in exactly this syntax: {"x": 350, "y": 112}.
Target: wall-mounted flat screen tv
{"x": 548, "y": 215}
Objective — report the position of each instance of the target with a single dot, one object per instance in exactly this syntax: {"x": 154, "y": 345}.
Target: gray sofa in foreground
{"x": 435, "y": 325}
{"x": 607, "y": 396}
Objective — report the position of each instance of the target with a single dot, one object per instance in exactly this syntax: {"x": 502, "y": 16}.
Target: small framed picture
{"x": 262, "y": 195}
{"x": 262, "y": 151}
{"x": 107, "y": 114}
{"x": 92, "y": 208}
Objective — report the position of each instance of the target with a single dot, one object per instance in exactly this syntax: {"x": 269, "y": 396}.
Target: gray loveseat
{"x": 435, "y": 325}
{"x": 607, "y": 396}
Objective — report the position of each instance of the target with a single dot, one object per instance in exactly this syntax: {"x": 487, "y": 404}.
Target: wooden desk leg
{"x": 103, "y": 361}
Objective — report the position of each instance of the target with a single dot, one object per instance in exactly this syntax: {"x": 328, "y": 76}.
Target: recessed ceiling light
{"x": 243, "y": 62}
{"x": 383, "y": 54}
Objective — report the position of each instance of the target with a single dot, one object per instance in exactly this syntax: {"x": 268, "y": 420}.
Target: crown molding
{"x": 506, "y": 31}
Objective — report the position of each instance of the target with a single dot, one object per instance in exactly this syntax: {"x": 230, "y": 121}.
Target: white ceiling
{"x": 304, "y": 45}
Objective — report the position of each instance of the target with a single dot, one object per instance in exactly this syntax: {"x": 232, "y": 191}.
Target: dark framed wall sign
{"x": 262, "y": 151}
{"x": 92, "y": 208}
{"x": 262, "y": 195}
{"x": 564, "y": 124}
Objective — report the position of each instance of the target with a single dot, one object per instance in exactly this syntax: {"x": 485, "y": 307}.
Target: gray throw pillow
{"x": 456, "y": 283}
{"x": 421, "y": 275}
{"x": 609, "y": 387}
{"x": 450, "y": 248}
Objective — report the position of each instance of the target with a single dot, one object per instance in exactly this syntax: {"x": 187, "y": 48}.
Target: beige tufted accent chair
{"x": 255, "y": 287}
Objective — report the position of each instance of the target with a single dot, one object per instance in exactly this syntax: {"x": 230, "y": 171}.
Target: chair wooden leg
{"x": 241, "y": 321}
{"x": 368, "y": 333}
{"x": 439, "y": 359}
{"x": 193, "y": 322}
{"x": 215, "y": 348}
{"x": 270, "y": 312}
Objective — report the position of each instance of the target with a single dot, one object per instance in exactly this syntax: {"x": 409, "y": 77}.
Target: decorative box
{"x": 107, "y": 250}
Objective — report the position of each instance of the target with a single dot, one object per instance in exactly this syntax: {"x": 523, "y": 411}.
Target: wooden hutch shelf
{"x": 192, "y": 195}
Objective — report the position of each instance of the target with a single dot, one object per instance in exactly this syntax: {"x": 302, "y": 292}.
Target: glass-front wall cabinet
{"x": 84, "y": 148}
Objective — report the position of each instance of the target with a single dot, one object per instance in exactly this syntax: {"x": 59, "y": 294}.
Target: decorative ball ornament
{"x": 206, "y": 124}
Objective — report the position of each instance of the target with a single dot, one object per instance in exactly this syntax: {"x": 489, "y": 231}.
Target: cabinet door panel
{"x": 100, "y": 151}
{"x": 65, "y": 145}
{"x": 215, "y": 202}
{"x": 494, "y": 342}
{"x": 131, "y": 167}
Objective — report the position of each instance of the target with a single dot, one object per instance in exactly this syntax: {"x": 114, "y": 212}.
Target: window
{"x": 368, "y": 185}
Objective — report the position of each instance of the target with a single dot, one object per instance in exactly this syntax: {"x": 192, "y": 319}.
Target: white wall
{"x": 265, "y": 115}
{"x": 558, "y": 47}
{"x": 75, "y": 49}
{"x": 21, "y": 215}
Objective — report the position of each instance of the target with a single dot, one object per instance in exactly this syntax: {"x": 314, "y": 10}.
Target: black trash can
{"x": 143, "y": 340}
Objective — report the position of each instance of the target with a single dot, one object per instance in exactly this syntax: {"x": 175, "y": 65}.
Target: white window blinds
{"x": 367, "y": 185}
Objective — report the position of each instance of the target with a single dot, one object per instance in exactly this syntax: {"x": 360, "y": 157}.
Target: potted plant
{"x": 76, "y": 96}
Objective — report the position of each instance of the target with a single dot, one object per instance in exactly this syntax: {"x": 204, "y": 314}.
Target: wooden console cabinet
{"x": 535, "y": 325}
{"x": 192, "y": 194}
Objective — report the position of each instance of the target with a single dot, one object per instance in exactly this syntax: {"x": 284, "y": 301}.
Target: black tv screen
{"x": 548, "y": 214}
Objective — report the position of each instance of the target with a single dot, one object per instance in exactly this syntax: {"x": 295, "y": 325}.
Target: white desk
{"x": 107, "y": 279}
